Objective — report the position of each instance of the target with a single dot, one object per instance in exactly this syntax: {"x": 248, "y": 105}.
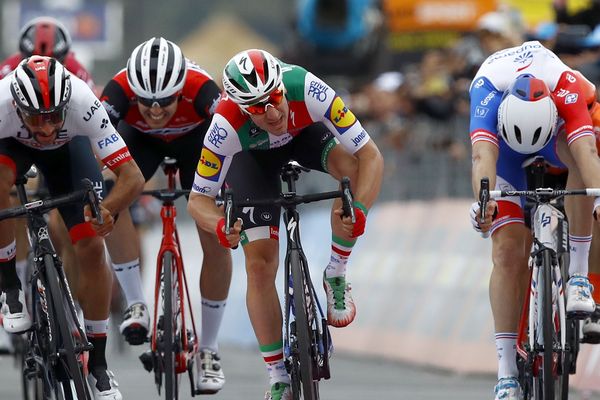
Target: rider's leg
{"x": 59, "y": 235}
{"x": 215, "y": 278}
{"x": 16, "y": 317}
{"x": 263, "y": 305}
{"x": 579, "y": 213}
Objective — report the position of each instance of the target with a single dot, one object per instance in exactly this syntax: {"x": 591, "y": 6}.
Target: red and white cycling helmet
{"x": 45, "y": 36}
{"x": 40, "y": 85}
{"x": 250, "y": 76}
{"x": 527, "y": 115}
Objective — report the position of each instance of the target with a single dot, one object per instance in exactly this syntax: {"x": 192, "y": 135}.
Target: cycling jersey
{"x": 85, "y": 117}
{"x": 197, "y": 103}
{"x": 501, "y": 69}
{"x": 70, "y": 63}
{"x": 310, "y": 100}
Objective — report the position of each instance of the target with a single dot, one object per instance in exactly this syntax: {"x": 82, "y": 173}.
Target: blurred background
{"x": 420, "y": 275}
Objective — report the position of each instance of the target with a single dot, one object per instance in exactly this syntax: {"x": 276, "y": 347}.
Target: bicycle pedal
{"x": 147, "y": 360}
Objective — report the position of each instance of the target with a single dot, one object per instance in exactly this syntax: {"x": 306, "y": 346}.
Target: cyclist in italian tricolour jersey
{"x": 273, "y": 112}
{"x": 49, "y": 117}
{"x": 526, "y": 101}
{"x": 162, "y": 104}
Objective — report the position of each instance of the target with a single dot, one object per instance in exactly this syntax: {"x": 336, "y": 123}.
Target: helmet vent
{"x": 521, "y": 93}
{"x": 252, "y": 78}
{"x": 536, "y": 135}
{"x": 518, "y": 134}
{"x": 538, "y": 94}
{"x": 504, "y": 134}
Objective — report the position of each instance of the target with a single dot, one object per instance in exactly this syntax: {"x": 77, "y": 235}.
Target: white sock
{"x": 212, "y": 315}
{"x": 340, "y": 252}
{"x": 506, "y": 348}
{"x": 579, "y": 250}
{"x": 21, "y": 266}
{"x": 97, "y": 328}
{"x": 128, "y": 275}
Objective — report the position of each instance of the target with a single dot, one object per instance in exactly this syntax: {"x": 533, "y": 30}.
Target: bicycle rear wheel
{"x": 304, "y": 331}
{"x": 70, "y": 371}
{"x": 169, "y": 348}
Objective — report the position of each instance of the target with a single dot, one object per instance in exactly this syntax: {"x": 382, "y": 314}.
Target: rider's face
{"x": 275, "y": 118}
{"x": 156, "y": 116}
{"x": 43, "y": 128}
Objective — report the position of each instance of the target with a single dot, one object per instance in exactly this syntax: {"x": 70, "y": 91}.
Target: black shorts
{"x": 63, "y": 170}
{"x": 255, "y": 174}
{"x": 149, "y": 151}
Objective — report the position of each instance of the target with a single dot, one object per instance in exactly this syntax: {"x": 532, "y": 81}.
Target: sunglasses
{"x": 52, "y": 118}
{"x": 275, "y": 98}
{"x": 164, "y": 102}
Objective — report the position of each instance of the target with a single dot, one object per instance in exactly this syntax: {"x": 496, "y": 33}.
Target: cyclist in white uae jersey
{"x": 524, "y": 102}
{"x": 271, "y": 113}
{"x": 49, "y": 117}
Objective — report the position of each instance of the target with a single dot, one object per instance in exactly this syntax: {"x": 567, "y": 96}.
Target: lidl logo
{"x": 210, "y": 164}
{"x": 340, "y": 115}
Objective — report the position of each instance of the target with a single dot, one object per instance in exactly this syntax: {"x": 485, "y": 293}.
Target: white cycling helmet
{"x": 527, "y": 115}
{"x": 156, "y": 69}
{"x": 250, "y": 76}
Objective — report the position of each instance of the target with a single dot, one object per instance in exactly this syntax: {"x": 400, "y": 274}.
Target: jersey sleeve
{"x": 207, "y": 99}
{"x": 485, "y": 100}
{"x": 325, "y": 105}
{"x": 115, "y": 102}
{"x": 93, "y": 121}
{"x": 570, "y": 100}
{"x": 221, "y": 143}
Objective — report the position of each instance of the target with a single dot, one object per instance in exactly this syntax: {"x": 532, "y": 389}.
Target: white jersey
{"x": 85, "y": 116}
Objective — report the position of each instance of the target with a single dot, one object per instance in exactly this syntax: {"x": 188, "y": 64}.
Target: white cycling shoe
{"x": 210, "y": 378}
{"x": 16, "y": 318}
{"x": 580, "y": 303}
{"x": 105, "y": 387}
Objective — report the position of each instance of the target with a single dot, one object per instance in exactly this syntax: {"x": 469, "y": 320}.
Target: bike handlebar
{"x": 545, "y": 192}
{"x": 87, "y": 196}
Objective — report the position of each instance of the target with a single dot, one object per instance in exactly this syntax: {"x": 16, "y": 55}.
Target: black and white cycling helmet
{"x": 40, "y": 85}
{"x": 250, "y": 76}
{"x": 527, "y": 115}
{"x": 156, "y": 69}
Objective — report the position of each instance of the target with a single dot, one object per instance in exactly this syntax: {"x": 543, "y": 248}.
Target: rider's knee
{"x": 261, "y": 270}
{"x": 7, "y": 179}
{"x": 90, "y": 252}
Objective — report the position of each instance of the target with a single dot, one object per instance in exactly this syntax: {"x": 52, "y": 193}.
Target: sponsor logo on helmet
{"x": 571, "y": 98}
{"x": 210, "y": 164}
{"x": 217, "y": 135}
{"x": 340, "y": 115}
{"x": 90, "y": 113}
{"x": 318, "y": 90}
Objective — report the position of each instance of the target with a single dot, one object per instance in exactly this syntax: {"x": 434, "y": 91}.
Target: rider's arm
{"x": 484, "y": 158}
{"x": 204, "y": 211}
{"x": 370, "y": 174}
{"x": 128, "y": 186}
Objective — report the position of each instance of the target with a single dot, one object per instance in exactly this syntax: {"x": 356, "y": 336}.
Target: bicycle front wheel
{"x": 169, "y": 346}
{"x": 304, "y": 331}
{"x": 71, "y": 374}
{"x": 547, "y": 381}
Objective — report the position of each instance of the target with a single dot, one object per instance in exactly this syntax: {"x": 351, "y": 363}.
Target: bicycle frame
{"x": 170, "y": 244}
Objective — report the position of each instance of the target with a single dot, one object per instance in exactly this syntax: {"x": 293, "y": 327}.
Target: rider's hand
{"x": 231, "y": 240}
{"x": 106, "y": 227}
{"x": 356, "y": 229}
{"x": 483, "y": 227}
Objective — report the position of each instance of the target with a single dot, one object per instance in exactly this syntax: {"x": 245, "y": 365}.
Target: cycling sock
{"x": 595, "y": 281}
{"x": 21, "y": 266}
{"x": 579, "y": 251}
{"x": 340, "y": 252}
{"x": 8, "y": 273}
{"x": 128, "y": 275}
{"x": 212, "y": 315}
{"x": 97, "y": 360}
{"x": 506, "y": 348}
{"x": 273, "y": 356}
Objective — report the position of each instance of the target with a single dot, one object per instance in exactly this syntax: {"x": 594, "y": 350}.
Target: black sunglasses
{"x": 164, "y": 102}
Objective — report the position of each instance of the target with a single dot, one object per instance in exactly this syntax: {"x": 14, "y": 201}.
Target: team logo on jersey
{"x": 481, "y": 112}
{"x": 479, "y": 83}
{"x": 217, "y": 135}
{"x": 318, "y": 90}
{"x": 340, "y": 115}
{"x": 103, "y": 123}
{"x": 209, "y": 165}
{"x": 92, "y": 110}
{"x": 571, "y": 98}
{"x": 523, "y": 58}
{"x": 571, "y": 78}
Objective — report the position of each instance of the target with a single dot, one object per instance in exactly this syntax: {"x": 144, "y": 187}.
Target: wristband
{"x": 360, "y": 205}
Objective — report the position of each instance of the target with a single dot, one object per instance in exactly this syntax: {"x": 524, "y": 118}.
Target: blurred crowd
{"x": 419, "y": 112}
